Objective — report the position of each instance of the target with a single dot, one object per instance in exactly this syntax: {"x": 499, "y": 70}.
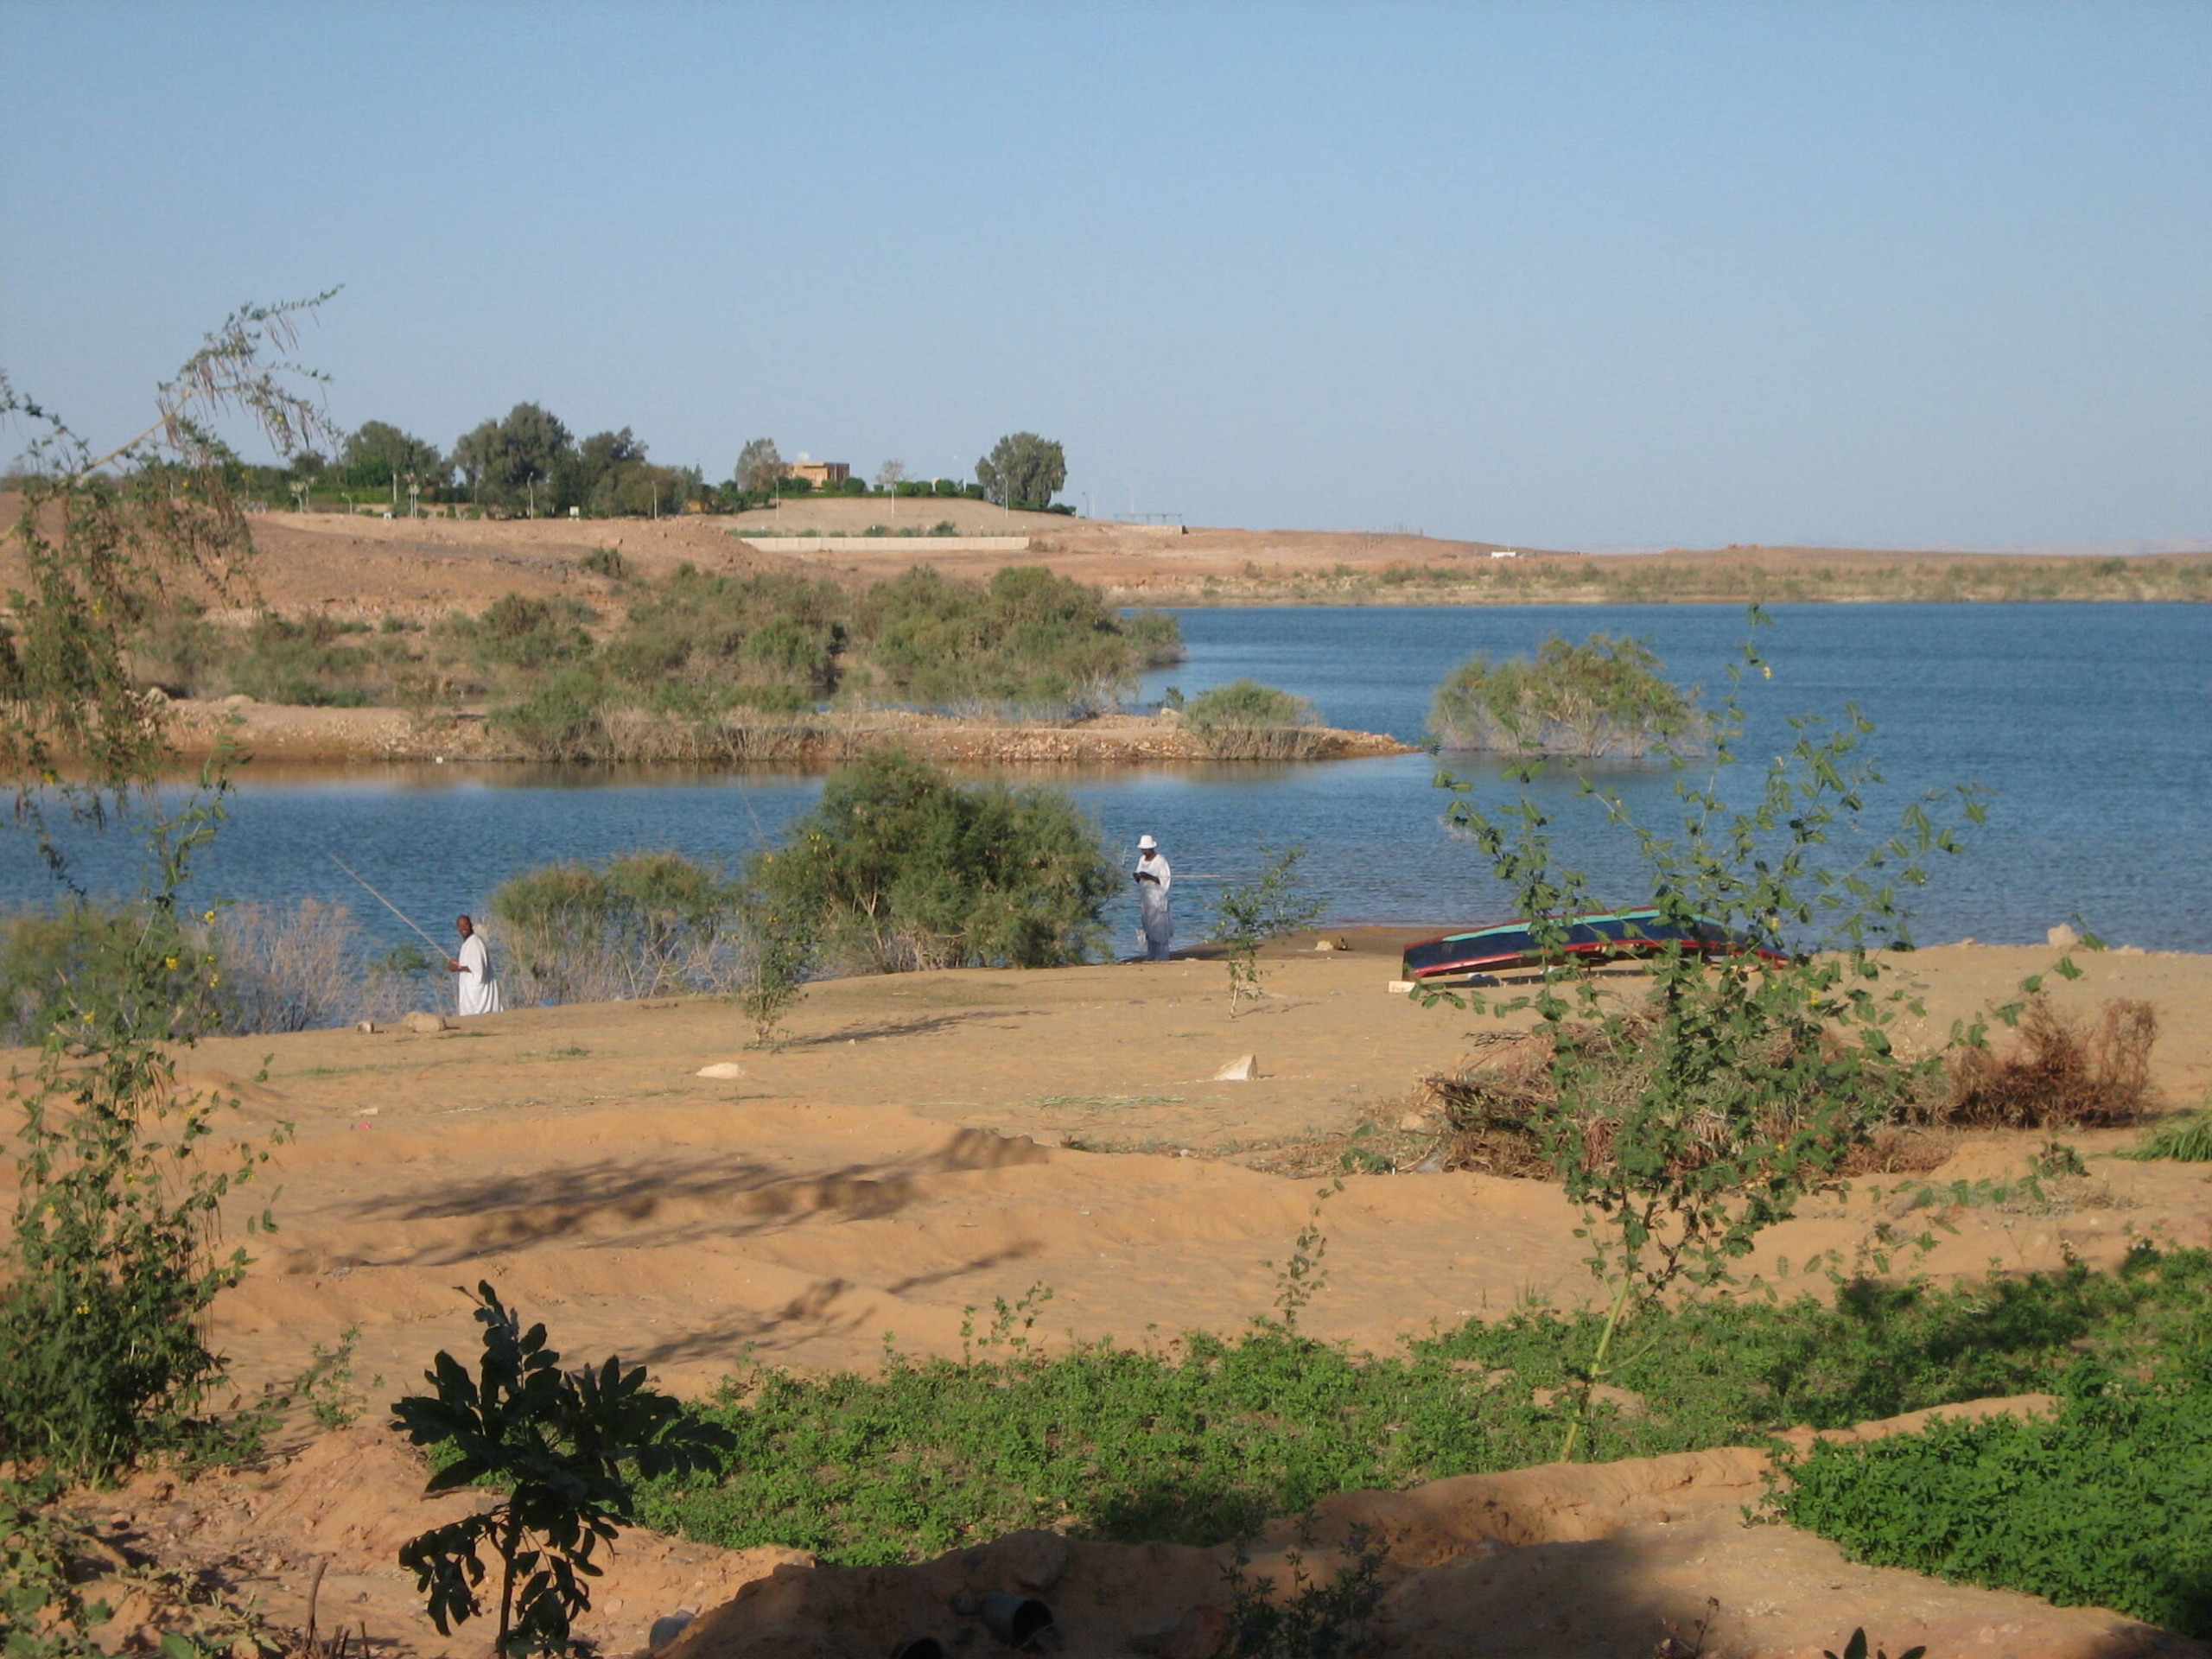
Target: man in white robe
{"x": 1153, "y": 879}
{"x": 475, "y": 991}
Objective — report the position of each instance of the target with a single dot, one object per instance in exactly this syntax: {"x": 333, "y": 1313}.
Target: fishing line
{"x": 385, "y": 902}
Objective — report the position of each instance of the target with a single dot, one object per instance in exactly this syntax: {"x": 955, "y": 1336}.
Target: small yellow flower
{"x": 171, "y": 962}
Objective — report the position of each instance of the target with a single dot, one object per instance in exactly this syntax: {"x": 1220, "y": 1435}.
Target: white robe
{"x": 475, "y": 989}
{"x": 1157, "y": 915}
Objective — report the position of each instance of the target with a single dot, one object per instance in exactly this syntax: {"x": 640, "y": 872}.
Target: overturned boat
{"x": 1611, "y": 935}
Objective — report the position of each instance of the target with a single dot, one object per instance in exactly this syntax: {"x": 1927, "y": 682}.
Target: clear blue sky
{"x": 1560, "y": 274}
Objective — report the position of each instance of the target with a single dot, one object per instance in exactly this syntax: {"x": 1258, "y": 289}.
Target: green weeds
{"x": 1202, "y": 1440}
{"x": 2106, "y": 1504}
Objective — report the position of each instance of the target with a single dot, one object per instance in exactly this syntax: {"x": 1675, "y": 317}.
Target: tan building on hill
{"x": 822, "y": 475}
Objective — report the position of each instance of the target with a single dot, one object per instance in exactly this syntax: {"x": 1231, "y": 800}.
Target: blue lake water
{"x": 2091, "y": 725}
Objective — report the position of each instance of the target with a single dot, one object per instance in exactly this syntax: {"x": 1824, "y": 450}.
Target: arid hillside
{"x": 368, "y": 566}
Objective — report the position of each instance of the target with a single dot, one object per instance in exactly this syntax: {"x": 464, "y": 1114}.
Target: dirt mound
{"x": 351, "y": 1498}
{"x": 1562, "y": 1560}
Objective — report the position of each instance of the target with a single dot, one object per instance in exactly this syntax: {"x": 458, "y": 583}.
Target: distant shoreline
{"x": 284, "y": 733}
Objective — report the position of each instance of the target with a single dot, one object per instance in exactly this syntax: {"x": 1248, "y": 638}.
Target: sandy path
{"x": 905, "y": 1159}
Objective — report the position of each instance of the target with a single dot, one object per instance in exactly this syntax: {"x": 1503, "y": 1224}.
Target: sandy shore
{"x": 918, "y": 1147}
{"x": 927, "y": 1142}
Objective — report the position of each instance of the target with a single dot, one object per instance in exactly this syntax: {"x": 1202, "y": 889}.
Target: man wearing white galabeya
{"x": 475, "y": 991}
{"x": 1153, "y": 879}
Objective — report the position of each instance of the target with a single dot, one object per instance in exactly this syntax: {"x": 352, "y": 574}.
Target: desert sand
{"x": 922, "y": 1144}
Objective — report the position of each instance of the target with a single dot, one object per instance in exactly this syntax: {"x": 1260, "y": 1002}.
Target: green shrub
{"x": 1247, "y": 703}
{"x": 1026, "y": 641}
{"x": 606, "y": 562}
{"x": 1603, "y": 695}
{"x": 2108, "y": 1503}
{"x": 717, "y": 634}
{"x": 178, "y": 650}
{"x": 61, "y": 964}
{"x": 696, "y": 647}
{"x": 1758, "y": 1071}
{"x": 642, "y": 924}
{"x": 562, "y": 719}
{"x": 1158, "y": 637}
{"x": 301, "y": 662}
{"x": 515, "y": 631}
{"x": 901, "y": 867}
{"x": 1248, "y": 914}
{"x": 1247, "y": 721}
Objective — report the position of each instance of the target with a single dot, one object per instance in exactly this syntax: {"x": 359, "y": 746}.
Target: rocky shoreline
{"x": 286, "y": 733}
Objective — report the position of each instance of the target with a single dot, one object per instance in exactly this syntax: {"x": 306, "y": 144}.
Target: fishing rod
{"x": 385, "y": 902}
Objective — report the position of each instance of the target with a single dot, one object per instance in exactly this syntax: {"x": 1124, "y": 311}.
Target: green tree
{"x": 509, "y": 465}
{"x": 112, "y": 1258}
{"x": 1022, "y": 470}
{"x": 901, "y": 867}
{"x": 759, "y": 466}
{"x": 380, "y": 453}
{"x": 1755, "y": 1074}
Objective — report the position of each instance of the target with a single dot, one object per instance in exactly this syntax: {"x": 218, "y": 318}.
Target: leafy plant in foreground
{"x": 1585, "y": 701}
{"x": 1766, "y": 1067}
{"x": 43, "y": 1615}
{"x": 1304, "y": 1618}
{"x": 561, "y": 1445}
{"x": 1856, "y": 1649}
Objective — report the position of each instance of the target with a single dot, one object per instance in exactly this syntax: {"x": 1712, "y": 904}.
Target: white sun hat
{"x": 1146, "y": 844}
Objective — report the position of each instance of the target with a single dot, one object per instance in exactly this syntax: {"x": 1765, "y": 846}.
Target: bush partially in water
{"x": 1245, "y": 720}
{"x": 903, "y": 868}
{"x": 1605, "y": 695}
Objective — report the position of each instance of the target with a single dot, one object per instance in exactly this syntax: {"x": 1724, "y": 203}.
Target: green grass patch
{"x": 1201, "y": 1440}
{"x": 2186, "y": 1137}
{"x": 2106, "y": 1504}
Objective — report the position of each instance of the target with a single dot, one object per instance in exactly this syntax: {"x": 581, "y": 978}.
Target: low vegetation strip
{"x": 1766, "y": 577}
{"x": 2108, "y": 1503}
{"x": 1200, "y": 1441}
{"x": 701, "y": 665}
